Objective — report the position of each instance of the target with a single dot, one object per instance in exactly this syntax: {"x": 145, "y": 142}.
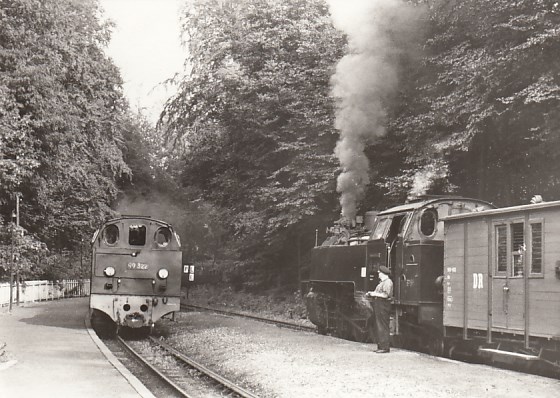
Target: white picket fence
{"x": 30, "y": 291}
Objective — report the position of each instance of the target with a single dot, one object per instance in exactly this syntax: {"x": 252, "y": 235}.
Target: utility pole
{"x": 11, "y": 264}
{"x": 17, "y": 208}
{"x": 15, "y": 256}
{"x": 81, "y": 267}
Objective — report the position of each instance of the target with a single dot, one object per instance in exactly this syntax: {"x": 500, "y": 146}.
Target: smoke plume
{"x": 379, "y": 33}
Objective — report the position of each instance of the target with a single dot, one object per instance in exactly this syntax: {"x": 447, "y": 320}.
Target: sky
{"x": 146, "y": 46}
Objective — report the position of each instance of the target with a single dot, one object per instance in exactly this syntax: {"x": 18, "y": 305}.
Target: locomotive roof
{"x": 128, "y": 217}
{"x": 428, "y": 201}
{"x": 504, "y": 210}
{"x": 136, "y": 217}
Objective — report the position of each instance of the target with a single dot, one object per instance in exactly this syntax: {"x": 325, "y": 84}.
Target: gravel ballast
{"x": 277, "y": 362}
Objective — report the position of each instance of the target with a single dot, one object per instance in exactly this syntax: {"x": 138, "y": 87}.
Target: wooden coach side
{"x": 466, "y": 274}
{"x": 544, "y": 291}
{"x": 470, "y": 276}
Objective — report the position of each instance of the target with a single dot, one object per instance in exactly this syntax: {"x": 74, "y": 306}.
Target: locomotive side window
{"x": 111, "y": 234}
{"x": 163, "y": 237}
{"x": 398, "y": 227}
{"x": 428, "y": 222}
{"x": 137, "y": 235}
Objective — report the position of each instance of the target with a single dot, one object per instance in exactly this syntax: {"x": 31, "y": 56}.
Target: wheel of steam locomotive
{"x": 341, "y": 325}
{"x": 436, "y": 347}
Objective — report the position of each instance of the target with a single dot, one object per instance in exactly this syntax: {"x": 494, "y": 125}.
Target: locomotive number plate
{"x": 140, "y": 266}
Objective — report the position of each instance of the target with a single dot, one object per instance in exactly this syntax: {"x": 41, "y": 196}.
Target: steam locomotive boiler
{"x": 136, "y": 271}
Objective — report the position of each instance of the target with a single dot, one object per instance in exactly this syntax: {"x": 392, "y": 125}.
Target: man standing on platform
{"x": 382, "y": 296}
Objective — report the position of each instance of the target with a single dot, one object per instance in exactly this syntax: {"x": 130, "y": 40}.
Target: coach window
{"x": 518, "y": 248}
{"x": 501, "y": 249}
{"x": 536, "y": 248}
{"x": 137, "y": 235}
{"x": 111, "y": 234}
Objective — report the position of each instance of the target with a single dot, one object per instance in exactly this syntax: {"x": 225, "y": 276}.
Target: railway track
{"x": 188, "y": 307}
{"x": 182, "y": 374}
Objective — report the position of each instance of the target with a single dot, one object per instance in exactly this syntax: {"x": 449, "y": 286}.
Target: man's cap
{"x": 385, "y": 270}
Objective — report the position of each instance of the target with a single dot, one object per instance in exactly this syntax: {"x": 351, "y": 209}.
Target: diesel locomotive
{"x": 135, "y": 272}
{"x": 469, "y": 279}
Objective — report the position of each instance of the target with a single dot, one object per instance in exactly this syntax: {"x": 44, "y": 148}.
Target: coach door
{"x": 508, "y": 282}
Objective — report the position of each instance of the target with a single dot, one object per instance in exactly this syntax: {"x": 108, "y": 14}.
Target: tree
{"x": 484, "y": 102}
{"x": 62, "y": 101}
{"x": 253, "y": 120}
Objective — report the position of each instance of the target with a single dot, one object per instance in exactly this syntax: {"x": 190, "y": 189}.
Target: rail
{"x": 289, "y": 325}
{"x": 184, "y": 381}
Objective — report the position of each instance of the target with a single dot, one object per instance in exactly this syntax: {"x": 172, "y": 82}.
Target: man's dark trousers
{"x": 382, "y": 308}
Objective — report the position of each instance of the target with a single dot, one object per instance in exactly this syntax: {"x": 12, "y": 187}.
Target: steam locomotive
{"x": 135, "y": 272}
{"x": 469, "y": 279}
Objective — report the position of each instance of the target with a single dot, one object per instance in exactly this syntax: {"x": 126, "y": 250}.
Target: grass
{"x": 280, "y": 305}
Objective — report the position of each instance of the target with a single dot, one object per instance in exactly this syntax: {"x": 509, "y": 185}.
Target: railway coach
{"x": 502, "y": 282}
{"x": 136, "y": 271}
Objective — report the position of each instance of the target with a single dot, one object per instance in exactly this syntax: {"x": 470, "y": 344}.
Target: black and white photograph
{"x": 279, "y": 198}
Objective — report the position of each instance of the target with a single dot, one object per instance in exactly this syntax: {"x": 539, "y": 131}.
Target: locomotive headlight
{"x": 109, "y": 271}
{"x": 163, "y": 273}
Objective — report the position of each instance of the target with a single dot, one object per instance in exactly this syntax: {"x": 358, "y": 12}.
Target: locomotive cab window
{"x": 137, "y": 235}
{"x": 397, "y": 228}
{"x": 380, "y": 228}
{"x": 163, "y": 237}
{"x": 428, "y": 222}
{"x": 111, "y": 234}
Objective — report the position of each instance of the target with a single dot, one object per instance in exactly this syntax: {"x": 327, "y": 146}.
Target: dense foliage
{"x": 61, "y": 117}
{"x": 256, "y": 121}
{"x": 247, "y": 171}
{"x": 481, "y": 115}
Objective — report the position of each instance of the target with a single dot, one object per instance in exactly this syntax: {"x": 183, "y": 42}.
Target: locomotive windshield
{"x": 111, "y": 234}
{"x": 380, "y": 228}
{"x": 163, "y": 237}
{"x": 389, "y": 227}
{"x": 137, "y": 235}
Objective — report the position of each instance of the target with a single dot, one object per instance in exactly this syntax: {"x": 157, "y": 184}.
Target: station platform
{"x": 48, "y": 352}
